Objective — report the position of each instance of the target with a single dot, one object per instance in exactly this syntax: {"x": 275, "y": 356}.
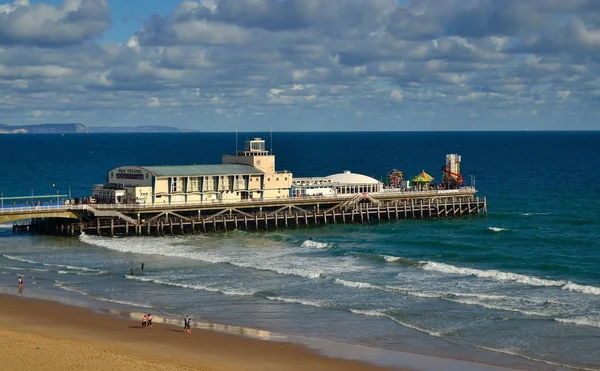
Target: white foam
{"x": 70, "y": 267}
{"x": 499, "y": 307}
{"x": 123, "y": 302}
{"x": 493, "y": 274}
{"x": 570, "y": 286}
{"x": 370, "y": 312}
{"x": 391, "y": 259}
{"x": 312, "y": 303}
{"x": 360, "y": 285}
{"x": 513, "y": 353}
{"x": 279, "y": 260}
{"x": 20, "y": 259}
{"x": 191, "y": 286}
{"x": 415, "y": 327}
{"x": 384, "y": 313}
{"x": 315, "y": 244}
{"x": 496, "y": 229}
{"x": 581, "y": 321}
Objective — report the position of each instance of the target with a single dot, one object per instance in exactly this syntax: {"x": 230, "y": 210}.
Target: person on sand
{"x": 189, "y": 331}
{"x": 20, "y": 285}
{"x": 187, "y": 324}
{"x": 149, "y": 320}
{"x": 144, "y": 322}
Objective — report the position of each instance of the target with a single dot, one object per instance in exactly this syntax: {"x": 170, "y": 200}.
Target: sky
{"x": 302, "y": 65}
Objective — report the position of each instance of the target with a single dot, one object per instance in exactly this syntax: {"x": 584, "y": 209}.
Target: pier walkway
{"x": 252, "y": 214}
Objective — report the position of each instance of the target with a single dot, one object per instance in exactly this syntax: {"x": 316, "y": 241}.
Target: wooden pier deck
{"x": 249, "y": 215}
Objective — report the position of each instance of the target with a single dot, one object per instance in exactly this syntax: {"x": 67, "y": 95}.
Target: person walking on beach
{"x": 187, "y": 325}
{"x": 144, "y": 322}
{"x": 20, "y": 285}
{"x": 149, "y": 321}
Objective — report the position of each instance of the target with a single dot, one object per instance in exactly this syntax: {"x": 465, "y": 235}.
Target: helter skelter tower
{"x": 452, "y": 177}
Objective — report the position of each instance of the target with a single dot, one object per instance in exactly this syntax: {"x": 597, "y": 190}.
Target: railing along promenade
{"x": 387, "y": 193}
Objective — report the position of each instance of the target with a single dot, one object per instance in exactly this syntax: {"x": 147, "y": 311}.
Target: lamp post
{"x": 2, "y": 198}
{"x": 32, "y": 198}
{"x": 69, "y": 193}
{"x": 57, "y": 194}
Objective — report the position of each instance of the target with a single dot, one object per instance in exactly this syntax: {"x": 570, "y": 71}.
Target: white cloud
{"x": 396, "y": 95}
{"x": 232, "y": 61}
{"x": 154, "y": 102}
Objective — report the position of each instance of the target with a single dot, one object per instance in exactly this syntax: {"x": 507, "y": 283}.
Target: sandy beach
{"x": 45, "y": 335}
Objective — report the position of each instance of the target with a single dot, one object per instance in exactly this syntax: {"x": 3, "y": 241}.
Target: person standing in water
{"x": 131, "y": 271}
{"x": 142, "y": 266}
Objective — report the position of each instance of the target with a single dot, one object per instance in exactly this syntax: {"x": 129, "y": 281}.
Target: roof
{"x": 349, "y": 178}
{"x": 192, "y": 170}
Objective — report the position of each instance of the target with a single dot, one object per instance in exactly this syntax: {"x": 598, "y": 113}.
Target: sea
{"x": 517, "y": 288}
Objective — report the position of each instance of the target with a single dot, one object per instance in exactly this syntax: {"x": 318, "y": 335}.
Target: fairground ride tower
{"x": 451, "y": 170}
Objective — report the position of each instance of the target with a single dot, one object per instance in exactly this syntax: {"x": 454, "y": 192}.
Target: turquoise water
{"x": 519, "y": 287}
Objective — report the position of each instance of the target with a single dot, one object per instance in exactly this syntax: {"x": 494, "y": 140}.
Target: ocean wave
{"x": 585, "y": 289}
{"x": 11, "y": 257}
{"x": 315, "y": 244}
{"x": 62, "y": 286}
{"x": 312, "y": 303}
{"x": 513, "y": 353}
{"x": 88, "y": 271}
{"x": 507, "y": 276}
{"x": 370, "y": 312}
{"x": 493, "y": 274}
{"x": 385, "y": 313}
{"x": 496, "y": 229}
{"x": 401, "y": 260}
{"x": 581, "y": 321}
{"x": 500, "y": 307}
{"x": 229, "y": 292}
{"x": 360, "y": 285}
{"x": 259, "y": 263}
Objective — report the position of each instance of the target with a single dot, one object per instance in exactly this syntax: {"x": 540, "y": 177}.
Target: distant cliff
{"x": 43, "y": 129}
{"x": 138, "y": 129}
{"x": 80, "y": 128}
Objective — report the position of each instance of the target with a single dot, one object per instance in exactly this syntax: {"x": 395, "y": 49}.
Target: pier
{"x": 244, "y": 192}
{"x": 247, "y": 215}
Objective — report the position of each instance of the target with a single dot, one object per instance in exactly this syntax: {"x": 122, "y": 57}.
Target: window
{"x": 194, "y": 184}
{"x": 177, "y": 184}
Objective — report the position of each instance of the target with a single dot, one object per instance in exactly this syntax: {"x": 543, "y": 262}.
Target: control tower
{"x": 276, "y": 184}
{"x": 254, "y": 154}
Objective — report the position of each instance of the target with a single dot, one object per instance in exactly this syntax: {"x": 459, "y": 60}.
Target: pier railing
{"x": 388, "y": 192}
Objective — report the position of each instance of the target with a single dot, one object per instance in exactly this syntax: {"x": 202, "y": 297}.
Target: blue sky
{"x": 302, "y": 65}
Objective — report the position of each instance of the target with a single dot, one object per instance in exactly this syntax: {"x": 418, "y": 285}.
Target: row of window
{"x": 178, "y": 184}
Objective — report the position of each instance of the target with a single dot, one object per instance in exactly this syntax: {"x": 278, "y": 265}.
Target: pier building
{"x": 250, "y": 174}
{"x": 335, "y": 184}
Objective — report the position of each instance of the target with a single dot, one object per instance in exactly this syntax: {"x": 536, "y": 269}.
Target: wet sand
{"x": 44, "y": 335}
